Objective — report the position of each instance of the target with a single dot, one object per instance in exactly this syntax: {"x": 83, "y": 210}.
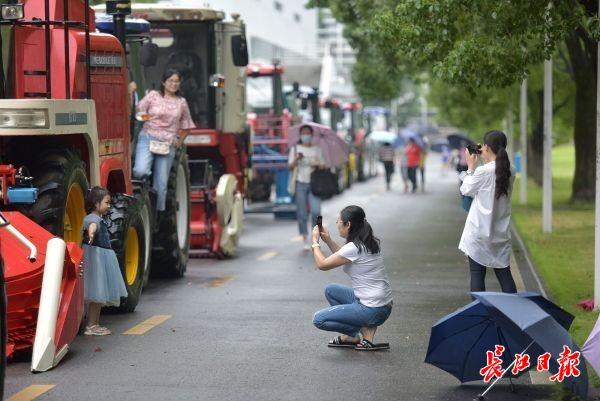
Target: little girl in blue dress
{"x": 103, "y": 282}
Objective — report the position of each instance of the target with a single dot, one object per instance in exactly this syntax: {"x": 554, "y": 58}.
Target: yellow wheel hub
{"x": 74, "y": 214}
{"x": 132, "y": 255}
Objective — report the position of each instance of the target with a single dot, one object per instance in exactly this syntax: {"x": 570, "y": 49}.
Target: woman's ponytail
{"x": 496, "y": 141}
{"x": 361, "y": 233}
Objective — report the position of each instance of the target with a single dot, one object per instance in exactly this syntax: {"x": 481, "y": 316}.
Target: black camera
{"x": 474, "y": 149}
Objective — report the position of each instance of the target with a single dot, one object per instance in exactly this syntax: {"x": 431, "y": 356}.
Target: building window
{"x": 278, "y": 6}
{"x": 297, "y": 17}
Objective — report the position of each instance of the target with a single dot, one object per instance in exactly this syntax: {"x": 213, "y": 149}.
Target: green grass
{"x": 564, "y": 258}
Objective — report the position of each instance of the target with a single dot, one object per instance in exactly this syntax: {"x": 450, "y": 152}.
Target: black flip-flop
{"x": 366, "y": 345}
{"x": 339, "y": 343}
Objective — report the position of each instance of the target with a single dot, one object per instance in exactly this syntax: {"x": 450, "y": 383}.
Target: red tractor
{"x": 269, "y": 121}
{"x": 210, "y": 53}
{"x": 64, "y": 127}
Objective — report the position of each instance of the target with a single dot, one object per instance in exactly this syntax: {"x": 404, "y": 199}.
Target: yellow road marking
{"x": 267, "y": 256}
{"x": 32, "y": 392}
{"x": 217, "y": 282}
{"x": 297, "y": 238}
{"x": 147, "y": 325}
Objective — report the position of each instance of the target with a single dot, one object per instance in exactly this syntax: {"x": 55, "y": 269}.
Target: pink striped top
{"x": 167, "y": 114}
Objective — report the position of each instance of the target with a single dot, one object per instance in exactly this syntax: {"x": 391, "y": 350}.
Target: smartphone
{"x": 320, "y": 223}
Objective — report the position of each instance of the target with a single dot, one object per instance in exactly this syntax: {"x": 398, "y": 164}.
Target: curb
{"x": 529, "y": 272}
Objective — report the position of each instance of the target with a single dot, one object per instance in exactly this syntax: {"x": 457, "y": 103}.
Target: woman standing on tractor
{"x": 167, "y": 119}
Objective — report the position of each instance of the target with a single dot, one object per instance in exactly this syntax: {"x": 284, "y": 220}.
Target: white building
{"x": 276, "y": 29}
{"x": 331, "y": 42}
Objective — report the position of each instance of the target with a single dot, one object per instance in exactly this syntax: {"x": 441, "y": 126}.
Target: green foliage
{"x": 490, "y": 43}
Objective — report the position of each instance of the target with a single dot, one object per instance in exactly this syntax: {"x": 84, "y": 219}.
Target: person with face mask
{"x": 305, "y": 157}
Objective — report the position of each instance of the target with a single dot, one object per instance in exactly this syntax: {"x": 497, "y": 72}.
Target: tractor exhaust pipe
{"x": 45, "y": 356}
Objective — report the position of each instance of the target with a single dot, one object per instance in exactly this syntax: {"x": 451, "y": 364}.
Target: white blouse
{"x": 486, "y": 236}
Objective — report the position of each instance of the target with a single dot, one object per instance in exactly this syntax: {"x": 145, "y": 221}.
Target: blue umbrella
{"x": 459, "y": 341}
{"x": 456, "y": 140}
{"x": 405, "y": 135}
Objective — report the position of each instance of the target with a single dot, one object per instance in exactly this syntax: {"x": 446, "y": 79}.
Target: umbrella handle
{"x": 482, "y": 395}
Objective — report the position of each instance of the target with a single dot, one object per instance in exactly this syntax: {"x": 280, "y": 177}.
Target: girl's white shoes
{"x": 96, "y": 330}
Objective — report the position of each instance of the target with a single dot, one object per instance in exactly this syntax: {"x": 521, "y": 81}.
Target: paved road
{"x": 241, "y": 329}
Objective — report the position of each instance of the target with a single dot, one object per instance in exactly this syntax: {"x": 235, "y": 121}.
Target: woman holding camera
{"x": 486, "y": 236}
{"x": 355, "y": 311}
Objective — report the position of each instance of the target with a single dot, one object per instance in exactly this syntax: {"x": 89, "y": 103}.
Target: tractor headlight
{"x": 24, "y": 118}
{"x": 12, "y": 12}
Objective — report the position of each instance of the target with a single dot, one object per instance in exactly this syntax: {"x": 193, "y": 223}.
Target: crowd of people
{"x": 354, "y": 311}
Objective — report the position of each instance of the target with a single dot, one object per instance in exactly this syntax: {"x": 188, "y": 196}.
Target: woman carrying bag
{"x": 303, "y": 159}
{"x": 167, "y": 119}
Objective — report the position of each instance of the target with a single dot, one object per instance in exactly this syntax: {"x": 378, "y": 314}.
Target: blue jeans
{"x": 346, "y": 314}
{"x": 143, "y": 167}
{"x": 305, "y": 202}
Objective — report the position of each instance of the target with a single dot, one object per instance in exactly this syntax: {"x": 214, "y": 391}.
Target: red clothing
{"x": 413, "y": 155}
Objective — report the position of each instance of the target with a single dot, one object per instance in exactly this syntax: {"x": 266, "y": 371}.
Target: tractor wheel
{"x": 127, "y": 238}
{"x": 230, "y": 212}
{"x": 62, "y": 184}
{"x": 172, "y": 239}
{"x": 142, "y": 195}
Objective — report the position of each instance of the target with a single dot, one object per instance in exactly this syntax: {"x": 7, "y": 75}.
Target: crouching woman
{"x": 355, "y": 311}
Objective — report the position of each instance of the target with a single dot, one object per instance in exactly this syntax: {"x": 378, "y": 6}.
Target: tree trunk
{"x": 583, "y": 53}
{"x": 535, "y": 150}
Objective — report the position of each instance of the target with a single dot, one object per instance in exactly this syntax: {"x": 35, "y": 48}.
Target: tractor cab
{"x": 264, "y": 89}
{"x": 210, "y": 53}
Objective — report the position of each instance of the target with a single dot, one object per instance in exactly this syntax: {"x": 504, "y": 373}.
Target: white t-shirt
{"x": 312, "y": 156}
{"x": 369, "y": 279}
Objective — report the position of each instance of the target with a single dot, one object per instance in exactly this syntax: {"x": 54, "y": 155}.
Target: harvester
{"x": 64, "y": 127}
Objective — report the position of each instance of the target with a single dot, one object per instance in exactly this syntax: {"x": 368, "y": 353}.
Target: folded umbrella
{"x": 335, "y": 150}
{"x": 459, "y": 341}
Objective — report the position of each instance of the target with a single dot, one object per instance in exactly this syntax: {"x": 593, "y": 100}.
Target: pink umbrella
{"x": 591, "y": 348}
{"x": 335, "y": 149}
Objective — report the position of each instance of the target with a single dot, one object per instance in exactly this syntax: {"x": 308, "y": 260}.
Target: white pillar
{"x": 547, "y": 166}
{"x": 597, "y": 221}
{"x": 523, "y": 124}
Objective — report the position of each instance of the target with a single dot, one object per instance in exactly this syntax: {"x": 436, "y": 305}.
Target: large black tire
{"x": 57, "y": 173}
{"x": 171, "y": 241}
{"x": 147, "y": 207}
{"x": 126, "y": 227}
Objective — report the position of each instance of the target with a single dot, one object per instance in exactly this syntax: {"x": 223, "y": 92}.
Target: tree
{"x": 488, "y": 44}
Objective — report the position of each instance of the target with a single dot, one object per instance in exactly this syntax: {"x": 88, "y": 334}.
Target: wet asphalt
{"x": 241, "y": 329}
